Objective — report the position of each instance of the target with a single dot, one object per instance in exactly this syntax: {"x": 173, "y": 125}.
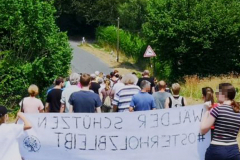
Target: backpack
{"x": 176, "y": 102}
{"x": 108, "y": 101}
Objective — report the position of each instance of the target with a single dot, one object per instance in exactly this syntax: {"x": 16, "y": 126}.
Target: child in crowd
{"x": 9, "y": 133}
{"x": 208, "y": 99}
{"x": 175, "y": 100}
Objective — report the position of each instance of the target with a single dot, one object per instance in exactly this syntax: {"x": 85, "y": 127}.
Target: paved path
{"x": 84, "y": 62}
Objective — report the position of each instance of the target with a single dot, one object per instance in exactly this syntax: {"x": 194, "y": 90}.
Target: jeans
{"x": 217, "y": 152}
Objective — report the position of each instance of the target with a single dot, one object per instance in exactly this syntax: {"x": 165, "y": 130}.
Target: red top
{"x": 214, "y": 106}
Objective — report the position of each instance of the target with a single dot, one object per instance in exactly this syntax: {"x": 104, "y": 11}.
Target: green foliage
{"x": 194, "y": 37}
{"x": 104, "y": 12}
{"x": 132, "y": 14}
{"x": 130, "y": 44}
{"x": 32, "y": 50}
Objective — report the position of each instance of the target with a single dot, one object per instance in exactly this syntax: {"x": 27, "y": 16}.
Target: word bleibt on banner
{"x": 171, "y": 134}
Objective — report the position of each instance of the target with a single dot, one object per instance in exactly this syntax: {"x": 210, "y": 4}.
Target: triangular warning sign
{"x": 149, "y": 52}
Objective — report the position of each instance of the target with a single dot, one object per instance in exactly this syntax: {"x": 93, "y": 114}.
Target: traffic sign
{"x": 149, "y": 52}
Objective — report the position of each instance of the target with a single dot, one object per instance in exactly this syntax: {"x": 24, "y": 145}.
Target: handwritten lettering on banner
{"x": 171, "y": 134}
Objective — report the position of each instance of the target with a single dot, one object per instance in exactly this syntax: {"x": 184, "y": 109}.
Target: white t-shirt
{"x": 9, "y": 133}
{"x": 117, "y": 87}
{"x": 66, "y": 95}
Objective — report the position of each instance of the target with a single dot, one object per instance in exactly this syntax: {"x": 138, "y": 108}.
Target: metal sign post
{"x": 151, "y": 54}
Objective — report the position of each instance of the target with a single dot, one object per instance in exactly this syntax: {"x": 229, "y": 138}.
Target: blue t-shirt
{"x": 85, "y": 101}
{"x": 142, "y": 101}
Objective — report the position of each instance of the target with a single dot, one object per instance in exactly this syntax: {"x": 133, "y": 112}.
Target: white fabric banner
{"x": 169, "y": 134}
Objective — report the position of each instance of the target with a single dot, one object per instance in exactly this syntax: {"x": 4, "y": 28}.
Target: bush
{"x": 130, "y": 44}
{"x": 32, "y": 50}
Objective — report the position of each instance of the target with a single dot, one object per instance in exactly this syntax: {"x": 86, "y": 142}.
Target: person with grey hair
{"x": 143, "y": 101}
{"x": 123, "y": 97}
{"x": 74, "y": 80}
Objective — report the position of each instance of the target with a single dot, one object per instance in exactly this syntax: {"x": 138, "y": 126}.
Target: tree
{"x": 194, "y": 36}
{"x": 132, "y": 14}
{"x": 32, "y": 48}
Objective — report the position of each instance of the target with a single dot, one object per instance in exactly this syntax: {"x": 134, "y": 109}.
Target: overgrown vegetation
{"x": 132, "y": 45}
{"x": 195, "y": 37}
{"x": 32, "y": 49}
{"x": 193, "y": 85}
{"x": 190, "y": 37}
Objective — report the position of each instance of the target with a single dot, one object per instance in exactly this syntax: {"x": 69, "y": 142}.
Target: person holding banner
{"x": 143, "y": 101}
{"x": 226, "y": 119}
{"x": 9, "y": 134}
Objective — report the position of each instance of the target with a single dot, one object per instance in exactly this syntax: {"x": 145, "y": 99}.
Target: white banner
{"x": 169, "y": 134}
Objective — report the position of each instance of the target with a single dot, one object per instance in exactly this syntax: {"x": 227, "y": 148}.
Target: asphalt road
{"x": 84, "y": 62}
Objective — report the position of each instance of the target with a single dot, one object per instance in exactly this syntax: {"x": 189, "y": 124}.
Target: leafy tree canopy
{"x": 32, "y": 49}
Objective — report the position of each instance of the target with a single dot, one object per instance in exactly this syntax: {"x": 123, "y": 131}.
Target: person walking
{"x": 161, "y": 96}
{"x": 175, "y": 100}
{"x": 117, "y": 86}
{"x": 53, "y": 102}
{"x": 32, "y": 104}
{"x": 123, "y": 97}
{"x": 143, "y": 101}
{"x": 74, "y": 80}
{"x": 94, "y": 85}
{"x": 146, "y": 76}
{"x": 208, "y": 99}
{"x": 85, "y": 101}
{"x": 225, "y": 118}
{"x": 107, "y": 95}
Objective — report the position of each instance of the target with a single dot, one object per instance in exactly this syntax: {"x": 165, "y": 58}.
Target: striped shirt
{"x": 227, "y": 124}
{"x": 124, "y": 96}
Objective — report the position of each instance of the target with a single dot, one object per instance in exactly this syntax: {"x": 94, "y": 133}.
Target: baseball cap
{"x": 3, "y": 111}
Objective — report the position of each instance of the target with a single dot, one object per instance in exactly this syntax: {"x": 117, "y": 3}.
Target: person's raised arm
{"x": 27, "y": 124}
{"x": 207, "y": 121}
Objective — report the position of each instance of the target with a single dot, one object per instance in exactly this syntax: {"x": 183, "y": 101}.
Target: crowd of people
{"x": 89, "y": 93}
{"x": 97, "y": 92}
